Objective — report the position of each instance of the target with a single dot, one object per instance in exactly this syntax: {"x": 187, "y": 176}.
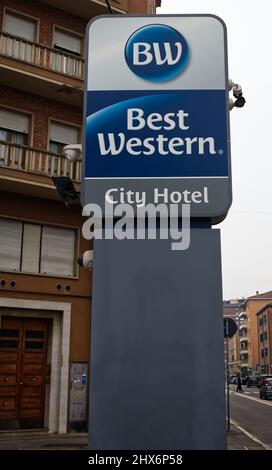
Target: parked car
{"x": 263, "y": 377}
{"x": 266, "y": 388}
{"x": 252, "y": 380}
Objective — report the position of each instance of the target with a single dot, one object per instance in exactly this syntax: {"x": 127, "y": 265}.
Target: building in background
{"x": 231, "y": 310}
{"x": 249, "y": 339}
{"x": 242, "y": 337}
{"x": 45, "y": 298}
{"x": 264, "y": 325}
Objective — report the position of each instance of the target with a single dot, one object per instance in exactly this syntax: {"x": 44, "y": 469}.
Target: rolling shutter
{"x": 14, "y": 121}
{"x": 31, "y": 248}
{"x": 68, "y": 42}
{"x": 58, "y": 251}
{"x": 64, "y": 133}
{"x": 10, "y": 244}
{"x": 20, "y": 26}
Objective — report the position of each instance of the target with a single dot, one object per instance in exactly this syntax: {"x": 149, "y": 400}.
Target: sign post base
{"x": 157, "y": 359}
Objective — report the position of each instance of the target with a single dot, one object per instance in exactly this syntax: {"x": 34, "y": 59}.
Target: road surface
{"x": 252, "y": 414}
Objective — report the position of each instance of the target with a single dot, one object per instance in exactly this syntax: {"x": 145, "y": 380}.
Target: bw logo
{"x": 157, "y": 53}
{"x": 145, "y": 54}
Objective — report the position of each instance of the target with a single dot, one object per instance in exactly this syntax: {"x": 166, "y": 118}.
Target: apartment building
{"x": 264, "y": 324}
{"x": 231, "y": 309}
{"x": 45, "y": 297}
{"x": 248, "y": 324}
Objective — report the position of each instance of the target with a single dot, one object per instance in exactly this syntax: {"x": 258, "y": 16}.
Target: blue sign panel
{"x": 156, "y": 105}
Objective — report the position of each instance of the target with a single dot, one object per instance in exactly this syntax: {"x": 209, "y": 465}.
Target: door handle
{"x": 21, "y": 383}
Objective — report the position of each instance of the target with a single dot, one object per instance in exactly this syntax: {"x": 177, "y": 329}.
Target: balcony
{"x": 242, "y": 314}
{"x": 57, "y": 74}
{"x": 243, "y": 338}
{"x": 41, "y": 56}
{"x": 244, "y": 355}
{"x": 88, "y": 8}
{"x": 29, "y": 170}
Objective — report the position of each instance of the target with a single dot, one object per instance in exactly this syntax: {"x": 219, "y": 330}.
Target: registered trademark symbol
{"x": 220, "y": 152}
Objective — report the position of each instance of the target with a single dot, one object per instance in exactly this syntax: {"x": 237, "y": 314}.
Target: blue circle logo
{"x": 157, "y": 53}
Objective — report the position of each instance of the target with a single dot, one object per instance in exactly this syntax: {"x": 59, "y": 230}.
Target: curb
{"x": 253, "y": 438}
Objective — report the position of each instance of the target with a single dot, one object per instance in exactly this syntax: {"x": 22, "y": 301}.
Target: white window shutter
{"x": 14, "y": 121}
{"x": 10, "y": 244}
{"x": 31, "y": 248}
{"x": 58, "y": 251}
{"x": 68, "y": 41}
{"x": 20, "y": 26}
{"x": 63, "y": 133}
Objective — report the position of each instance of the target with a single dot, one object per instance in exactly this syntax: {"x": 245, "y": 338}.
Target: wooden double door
{"x": 23, "y": 351}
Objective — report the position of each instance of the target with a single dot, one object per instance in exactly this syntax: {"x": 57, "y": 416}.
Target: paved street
{"x": 41, "y": 440}
{"x": 252, "y": 414}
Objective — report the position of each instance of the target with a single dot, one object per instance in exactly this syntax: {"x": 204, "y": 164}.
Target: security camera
{"x": 240, "y": 102}
{"x": 85, "y": 260}
{"x": 237, "y": 91}
{"x": 237, "y": 94}
{"x": 72, "y": 152}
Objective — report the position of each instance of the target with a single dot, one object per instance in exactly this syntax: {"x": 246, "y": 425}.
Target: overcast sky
{"x": 247, "y": 232}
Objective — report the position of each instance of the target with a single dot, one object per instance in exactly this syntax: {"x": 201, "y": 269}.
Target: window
{"x": 14, "y": 129}
{"x": 20, "y": 25}
{"x": 263, "y": 336}
{"x": 59, "y": 136}
{"x": 262, "y": 321}
{"x": 67, "y": 42}
{"x": 68, "y": 45}
{"x": 57, "y": 251}
{"x": 10, "y": 244}
{"x": 23, "y": 27}
{"x": 264, "y": 352}
{"x": 35, "y": 248}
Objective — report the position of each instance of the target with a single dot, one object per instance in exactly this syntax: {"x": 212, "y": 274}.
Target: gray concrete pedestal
{"x": 157, "y": 348}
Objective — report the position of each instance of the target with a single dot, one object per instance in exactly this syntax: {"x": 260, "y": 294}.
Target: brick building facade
{"x": 45, "y": 297}
{"x": 264, "y": 324}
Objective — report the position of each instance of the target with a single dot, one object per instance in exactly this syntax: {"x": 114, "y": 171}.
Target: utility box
{"x": 78, "y": 396}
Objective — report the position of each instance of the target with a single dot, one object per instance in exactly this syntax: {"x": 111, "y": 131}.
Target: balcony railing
{"x": 242, "y": 314}
{"x": 41, "y": 56}
{"x": 32, "y": 160}
{"x": 243, "y": 338}
{"x": 243, "y": 352}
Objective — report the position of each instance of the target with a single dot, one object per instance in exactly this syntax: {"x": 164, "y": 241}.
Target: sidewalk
{"x": 41, "y": 440}
{"x": 237, "y": 440}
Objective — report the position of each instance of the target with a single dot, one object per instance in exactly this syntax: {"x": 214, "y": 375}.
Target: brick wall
{"x": 47, "y": 15}
{"x": 43, "y": 109}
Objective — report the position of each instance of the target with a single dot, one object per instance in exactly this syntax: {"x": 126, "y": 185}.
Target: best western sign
{"x": 156, "y": 108}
